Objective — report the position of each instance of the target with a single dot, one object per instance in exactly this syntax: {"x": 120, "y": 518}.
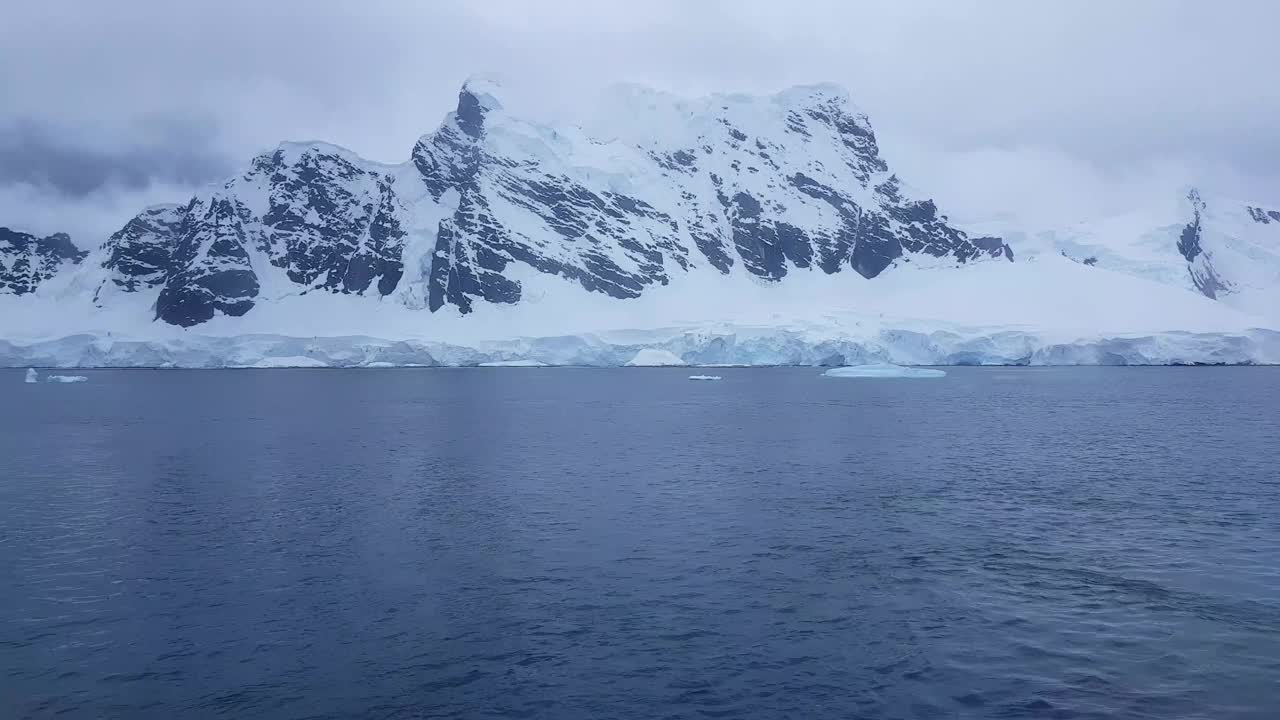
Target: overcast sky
{"x": 1050, "y": 110}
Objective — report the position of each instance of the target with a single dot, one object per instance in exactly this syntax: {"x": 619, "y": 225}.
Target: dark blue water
{"x": 1000, "y": 543}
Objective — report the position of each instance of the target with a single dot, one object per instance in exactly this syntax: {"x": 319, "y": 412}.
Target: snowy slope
{"x": 1045, "y": 310}
{"x": 1221, "y": 248}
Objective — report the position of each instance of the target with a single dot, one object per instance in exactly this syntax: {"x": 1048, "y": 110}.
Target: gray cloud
{"x": 168, "y": 153}
{"x": 990, "y": 105}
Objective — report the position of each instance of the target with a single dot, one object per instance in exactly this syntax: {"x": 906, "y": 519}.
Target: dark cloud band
{"x": 169, "y": 153}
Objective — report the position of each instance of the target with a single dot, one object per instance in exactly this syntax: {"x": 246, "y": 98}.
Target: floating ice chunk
{"x": 32, "y": 376}
{"x": 652, "y": 357}
{"x": 513, "y": 363}
{"x": 64, "y": 378}
{"x": 883, "y": 370}
{"x": 704, "y": 377}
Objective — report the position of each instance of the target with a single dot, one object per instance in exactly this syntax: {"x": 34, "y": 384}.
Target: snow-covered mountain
{"x": 762, "y": 186}
{"x": 27, "y": 261}
{"x": 694, "y": 223}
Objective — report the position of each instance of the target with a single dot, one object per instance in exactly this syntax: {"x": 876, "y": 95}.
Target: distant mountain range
{"x": 491, "y": 210}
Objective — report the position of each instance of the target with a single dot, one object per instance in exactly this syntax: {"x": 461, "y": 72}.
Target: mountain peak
{"x": 816, "y": 94}
{"x": 486, "y": 89}
{"x": 477, "y": 98}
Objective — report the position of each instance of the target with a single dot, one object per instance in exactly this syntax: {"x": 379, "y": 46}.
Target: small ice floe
{"x": 704, "y": 377}
{"x": 65, "y": 378}
{"x": 653, "y": 357}
{"x": 32, "y": 376}
{"x": 883, "y": 370}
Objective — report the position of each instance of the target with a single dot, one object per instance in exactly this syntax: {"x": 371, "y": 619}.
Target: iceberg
{"x": 653, "y": 357}
{"x": 32, "y": 376}
{"x": 65, "y": 378}
{"x": 883, "y": 370}
{"x": 704, "y": 377}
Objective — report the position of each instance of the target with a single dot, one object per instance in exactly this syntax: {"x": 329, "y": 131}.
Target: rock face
{"x": 1262, "y": 215}
{"x": 1232, "y": 253}
{"x": 1199, "y": 263}
{"x": 27, "y": 261}
{"x": 765, "y": 186}
{"x": 140, "y": 254}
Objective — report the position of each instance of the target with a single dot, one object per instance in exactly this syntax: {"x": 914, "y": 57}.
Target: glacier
{"x": 1046, "y": 310}
{"x": 714, "y": 347}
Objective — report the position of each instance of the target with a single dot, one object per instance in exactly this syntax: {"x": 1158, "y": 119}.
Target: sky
{"x": 1047, "y": 112}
